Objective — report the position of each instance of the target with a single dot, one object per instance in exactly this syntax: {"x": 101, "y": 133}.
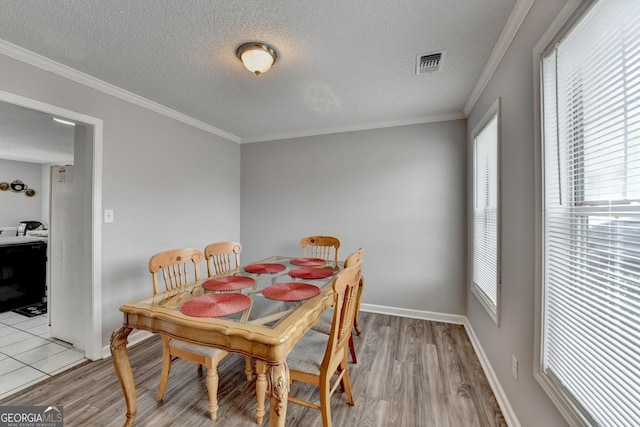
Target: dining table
{"x": 260, "y": 310}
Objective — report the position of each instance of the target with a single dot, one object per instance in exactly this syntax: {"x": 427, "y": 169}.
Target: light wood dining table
{"x": 267, "y": 338}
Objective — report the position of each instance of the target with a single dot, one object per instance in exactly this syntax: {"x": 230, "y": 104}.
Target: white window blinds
{"x": 591, "y": 216}
{"x": 485, "y": 217}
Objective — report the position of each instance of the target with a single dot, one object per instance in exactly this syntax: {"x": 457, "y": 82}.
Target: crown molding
{"x": 519, "y": 12}
{"x": 360, "y": 127}
{"x": 46, "y": 64}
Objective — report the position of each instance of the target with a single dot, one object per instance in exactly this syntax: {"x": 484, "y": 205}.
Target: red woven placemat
{"x": 264, "y": 268}
{"x": 216, "y": 305}
{"x": 311, "y": 273}
{"x": 308, "y": 262}
{"x": 228, "y": 283}
{"x": 291, "y": 291}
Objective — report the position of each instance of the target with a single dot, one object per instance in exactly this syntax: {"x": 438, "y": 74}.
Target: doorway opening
{"x": 86, "y": 322}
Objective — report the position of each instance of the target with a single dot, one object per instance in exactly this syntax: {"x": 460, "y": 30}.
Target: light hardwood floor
{"x": 409, "y": 373}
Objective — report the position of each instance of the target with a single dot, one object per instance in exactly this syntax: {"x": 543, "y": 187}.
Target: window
{"x": 486, "y": 283}
{"x": 590, "y": 322}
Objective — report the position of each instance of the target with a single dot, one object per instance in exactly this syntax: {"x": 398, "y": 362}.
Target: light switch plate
{"x": 108, "y": 216}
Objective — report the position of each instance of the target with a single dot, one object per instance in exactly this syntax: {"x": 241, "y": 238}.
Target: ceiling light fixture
{"x": 63, "y": 121}
{"x": 257, "y": 57}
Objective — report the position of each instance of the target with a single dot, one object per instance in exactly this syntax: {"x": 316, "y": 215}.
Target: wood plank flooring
{"x": 409, "y": 373}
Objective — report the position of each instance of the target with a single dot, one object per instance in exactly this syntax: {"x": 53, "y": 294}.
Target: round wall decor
{"x": 18, "y": 186}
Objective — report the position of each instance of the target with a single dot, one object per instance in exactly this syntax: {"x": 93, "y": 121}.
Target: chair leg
{"x": 356, "y": 318}
{"x": 352, "y": 349}
{"x": 325, "y": 400}
{"x": 346, "y": 381}
{"x": 261, "y": 390}
{"x": 357, "y": 326}
{"x": 166, "y": 367}
{"x": 212, "y": 389}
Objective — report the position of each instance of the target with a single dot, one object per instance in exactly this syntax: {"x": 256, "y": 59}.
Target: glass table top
{"x": 239, "y": 297}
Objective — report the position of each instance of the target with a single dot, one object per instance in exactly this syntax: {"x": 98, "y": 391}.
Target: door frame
{"x": 93, "y": 325}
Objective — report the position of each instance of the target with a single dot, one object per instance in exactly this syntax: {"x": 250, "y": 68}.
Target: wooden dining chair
{"x": 222, "y": 257}
{"x": 354, "y": 258}
{"x": 324, "y": 324}
{"x": 179, "y": 267}
{"x": 321, "y": 247}
{"x": 316, "y": 358}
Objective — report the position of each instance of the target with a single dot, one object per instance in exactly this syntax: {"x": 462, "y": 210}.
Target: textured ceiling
{"x": 343, "y": 64}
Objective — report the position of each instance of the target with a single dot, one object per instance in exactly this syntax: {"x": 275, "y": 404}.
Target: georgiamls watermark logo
{"x": 31, "y": 416}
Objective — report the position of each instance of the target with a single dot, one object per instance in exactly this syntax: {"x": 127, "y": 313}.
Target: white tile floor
{"x": 28, "y": 354}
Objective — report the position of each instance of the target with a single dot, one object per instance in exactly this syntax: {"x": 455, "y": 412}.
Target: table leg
{"x": 278, "y": 392}
{"x": 261, "y": 390}
{"x": 123, "y": 369}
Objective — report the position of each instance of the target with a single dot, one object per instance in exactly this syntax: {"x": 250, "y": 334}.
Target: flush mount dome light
{"x": 257, "y": 57}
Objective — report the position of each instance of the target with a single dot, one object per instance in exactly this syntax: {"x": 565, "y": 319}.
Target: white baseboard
{"x": 134, "y": 337}
{"x": 501, "y": 397}
{"x": 414, "y": 314}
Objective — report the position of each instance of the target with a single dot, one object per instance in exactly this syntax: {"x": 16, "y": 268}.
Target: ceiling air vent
{"x": 429, "y": 62}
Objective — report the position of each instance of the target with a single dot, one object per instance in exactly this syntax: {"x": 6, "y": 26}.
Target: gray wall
{"x": 170, "y": 184}
{"x": 397, "y": 192}
{"x": 513, "y": 83}
{"x": 15, "y": 207}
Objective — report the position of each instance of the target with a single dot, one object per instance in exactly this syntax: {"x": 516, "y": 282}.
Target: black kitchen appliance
{"x": 23, "y": 274}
